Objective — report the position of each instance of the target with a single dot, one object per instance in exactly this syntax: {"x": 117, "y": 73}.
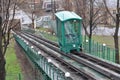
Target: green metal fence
{"x": 14, "y": 76}
{"x": 41, "y": 63}
{"x": 98, "y": 50}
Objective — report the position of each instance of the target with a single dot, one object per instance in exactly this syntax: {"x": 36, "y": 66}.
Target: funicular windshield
{"x": 71, "y": 31}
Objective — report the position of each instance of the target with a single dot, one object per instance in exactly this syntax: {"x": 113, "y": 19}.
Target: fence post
{"x": 93, "y": 46}
{"x": 99, "y": 51}
{"x": 90, "y": 43}
{"x": 114, "y": 53}
{"x": 50, "y": 67}
{"x": 103, "y": 51}
{"x": 108, "y": 53}
{"x": 53, "y": 72}
{"x": 19, "y": 76}
{"x": 97, "y": 46}
{"x": 86, "y": 46}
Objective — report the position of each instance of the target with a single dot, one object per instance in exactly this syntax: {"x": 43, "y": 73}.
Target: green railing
{"x": 14, "y": 76}
{"x": 47, "y": 69}
{"x": 98, "y": 50}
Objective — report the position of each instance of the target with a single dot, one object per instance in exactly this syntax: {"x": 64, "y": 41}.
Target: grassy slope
{"x": 12, "y": 65}
{"x": 105, "y": 39}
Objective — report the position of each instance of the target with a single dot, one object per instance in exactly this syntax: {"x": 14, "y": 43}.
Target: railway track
{"x": 112, "y": 74}
{"x": 101, "y": 62}
{"x": 81, "y": 72}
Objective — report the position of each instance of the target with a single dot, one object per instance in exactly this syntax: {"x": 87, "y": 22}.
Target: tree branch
{"x": 108, "y": 10}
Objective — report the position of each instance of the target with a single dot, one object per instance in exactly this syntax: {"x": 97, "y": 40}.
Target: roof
{"x": 66, "y": 15}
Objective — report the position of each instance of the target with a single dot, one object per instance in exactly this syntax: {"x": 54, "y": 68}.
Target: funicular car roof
{"x": 67, "y": 15}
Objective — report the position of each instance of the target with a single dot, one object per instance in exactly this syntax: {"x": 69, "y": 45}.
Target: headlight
{"x": 74, "y": 45}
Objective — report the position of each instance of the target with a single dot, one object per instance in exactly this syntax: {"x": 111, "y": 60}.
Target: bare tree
{"x": 6, "y": 6}
{"x": 116, "y": 20}
{"x": 90, "y": 11}
{"x": 116, "y": 39}
{"x": 67, "y": 5}
{"x": 30, "y": 7}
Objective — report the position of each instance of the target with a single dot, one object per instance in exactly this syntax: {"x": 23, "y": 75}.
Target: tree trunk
{"x": 116, "y": 49}
{"x": 33, "y": 19}
{"x": 2, "y": 67}
{"x": 116, "y": 39}
{"x": 90, "y": 43}
{"x": 2, "y": 59}
{"x": 90, "y": 23}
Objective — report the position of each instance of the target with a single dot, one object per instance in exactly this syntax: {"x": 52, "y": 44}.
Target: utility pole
{"x": 54, "y": 6}
{"x": 34, "y": 5}
{"x": 33, "y": 11}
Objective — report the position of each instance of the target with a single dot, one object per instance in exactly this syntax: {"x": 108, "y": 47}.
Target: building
{"x": 51, "y": 5}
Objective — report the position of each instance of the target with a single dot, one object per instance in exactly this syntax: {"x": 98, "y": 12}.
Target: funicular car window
{"x": 70, "y": 33}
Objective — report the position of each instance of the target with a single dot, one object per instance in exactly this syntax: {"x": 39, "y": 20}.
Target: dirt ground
{"x": 27, "y": 69}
